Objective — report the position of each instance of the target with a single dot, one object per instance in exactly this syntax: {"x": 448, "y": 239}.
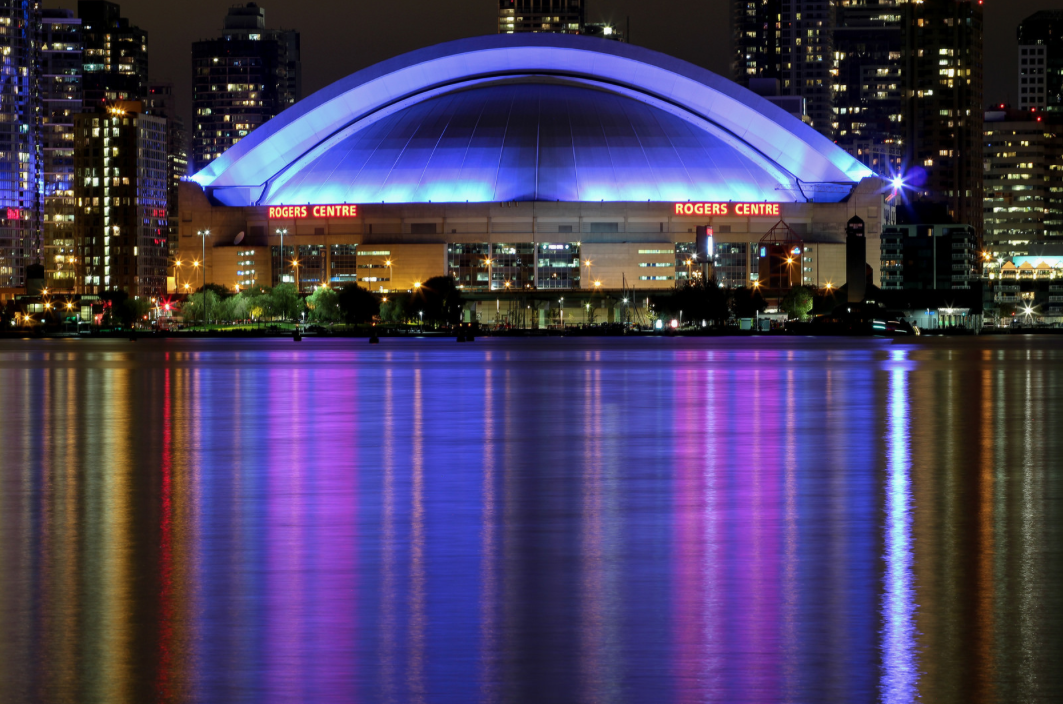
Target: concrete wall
{"x": 616, "y": 264}
{"x": 410, "y": 264}
{"x": 229, "y": 261}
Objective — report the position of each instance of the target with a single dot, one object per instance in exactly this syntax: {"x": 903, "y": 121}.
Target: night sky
{"x": 342, "y": 36}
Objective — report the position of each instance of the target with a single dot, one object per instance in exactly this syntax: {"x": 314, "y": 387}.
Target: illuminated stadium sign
{"x": 739, "y": 209}
{"x": 297, "y": 212}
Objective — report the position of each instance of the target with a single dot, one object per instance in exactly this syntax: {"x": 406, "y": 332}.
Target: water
{"x": 657, "y": 520}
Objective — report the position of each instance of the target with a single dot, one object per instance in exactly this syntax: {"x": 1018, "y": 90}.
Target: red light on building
{"x": 739, "y": 209}
{"x": 13, "y": 214}
{"x": 298, "y": 212}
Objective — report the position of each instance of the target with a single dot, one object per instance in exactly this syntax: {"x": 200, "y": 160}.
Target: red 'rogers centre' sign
{"x": 740, "y": 209}
{"x": 295, "y": 212}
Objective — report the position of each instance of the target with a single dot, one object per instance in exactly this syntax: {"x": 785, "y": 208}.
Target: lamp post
{"x": 188, "y": 287}
{"x": 203, "y": 235}
{"x": 282, "y": 231}
{"x": 562, "y": 302}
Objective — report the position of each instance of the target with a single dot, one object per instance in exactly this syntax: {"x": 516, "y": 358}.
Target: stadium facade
{"x": 531, "y": 161}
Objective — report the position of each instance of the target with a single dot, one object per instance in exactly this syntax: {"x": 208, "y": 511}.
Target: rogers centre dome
{"x": 532, "y": 117}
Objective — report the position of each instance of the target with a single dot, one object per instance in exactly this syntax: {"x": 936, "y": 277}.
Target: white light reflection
{"x": 899, "y": 657}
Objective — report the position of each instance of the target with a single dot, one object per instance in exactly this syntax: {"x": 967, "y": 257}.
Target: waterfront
{"x": 577, "y": 519}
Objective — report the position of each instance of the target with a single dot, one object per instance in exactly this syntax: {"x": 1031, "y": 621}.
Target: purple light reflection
{"x": 900, "y": 666}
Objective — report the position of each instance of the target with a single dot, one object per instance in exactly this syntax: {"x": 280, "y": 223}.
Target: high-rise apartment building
{"x": 943, "y": 120}
{"x": 1040, "y": 61}
{"x": 115, "y": 55}
{"x": 61, "y": 99}
{"x": 20, "y": 148}
{"x": 868, "y": 84}
{"x": 791, "y": 41}
{"x": 241, "y": 80}
{"x": 929, "y": 257}
{"x": 1023, "y": 182}
{"x": 557, "y": 16}
{"x": 161, "y": 102}
{"x": 121, "y": 192}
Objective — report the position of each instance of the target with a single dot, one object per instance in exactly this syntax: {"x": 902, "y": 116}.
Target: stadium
{"x": 530, "y": 162}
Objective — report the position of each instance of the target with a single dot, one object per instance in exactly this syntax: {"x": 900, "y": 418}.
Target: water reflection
{"x": 658, "y": 520}
{"x": 900, "y": 666}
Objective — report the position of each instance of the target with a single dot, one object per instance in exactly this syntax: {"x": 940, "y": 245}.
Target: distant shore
{"x": 451, "y": 334}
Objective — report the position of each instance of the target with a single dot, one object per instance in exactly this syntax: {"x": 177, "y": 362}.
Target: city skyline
{"x": 699, "y": 34}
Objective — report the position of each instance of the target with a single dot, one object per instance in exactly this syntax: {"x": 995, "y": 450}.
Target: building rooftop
{"x": 532, "y": 117}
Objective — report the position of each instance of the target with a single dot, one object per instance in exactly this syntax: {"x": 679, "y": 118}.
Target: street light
{"x": 203, "y": 235}
{"x": 282, "y": 231}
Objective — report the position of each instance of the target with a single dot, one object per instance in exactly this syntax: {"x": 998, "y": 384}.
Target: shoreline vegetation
{"x": 288, "y": 331}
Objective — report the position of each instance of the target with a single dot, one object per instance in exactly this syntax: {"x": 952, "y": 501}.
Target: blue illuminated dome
{"x": 532, "y": 117}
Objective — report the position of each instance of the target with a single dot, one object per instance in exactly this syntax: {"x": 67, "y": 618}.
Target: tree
{"x": 120, "y": 309}
{"x": 192, "y": 311}
{"x": 747, "y": 302}
{"x": 324, "y": 305}
{"x": 394, "y": 308}
{"x": 797, "y": 303}
{"x": 358, "y": 304}
{"x": 232, "y": 308}
{"x": 696, "y": 300}
{"x": 220, "y": 291}
{"x": 439, "y": 299}
{"x": 286, "y": 302}
{"x": 261, "y": 305}
{"x": 137, "y": 308}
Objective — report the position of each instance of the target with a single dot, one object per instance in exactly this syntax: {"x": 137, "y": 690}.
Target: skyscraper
{"x": 161, "y": 103}
{"x": 557, "y": 16}
{"x": 20, "y": 148}
{"x": 60, "y": 81}
{"x": 791, "y": 41}
{"x": 869, "y": 85}
{"x": 121, "y": 190}
{"x": 115, "y": 55}
{"x": 944, "y": 115}
{"x": 1023, "y": 182}
{"x": 1041, "y": 61}
{"x": 241, "y": 80}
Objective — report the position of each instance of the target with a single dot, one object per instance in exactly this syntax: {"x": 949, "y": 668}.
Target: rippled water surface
{"x": 657, "y": 520}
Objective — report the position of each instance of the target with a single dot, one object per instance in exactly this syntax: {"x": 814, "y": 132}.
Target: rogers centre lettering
{"x": 295, "y": 212}
{"x": 740, "y": 209}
